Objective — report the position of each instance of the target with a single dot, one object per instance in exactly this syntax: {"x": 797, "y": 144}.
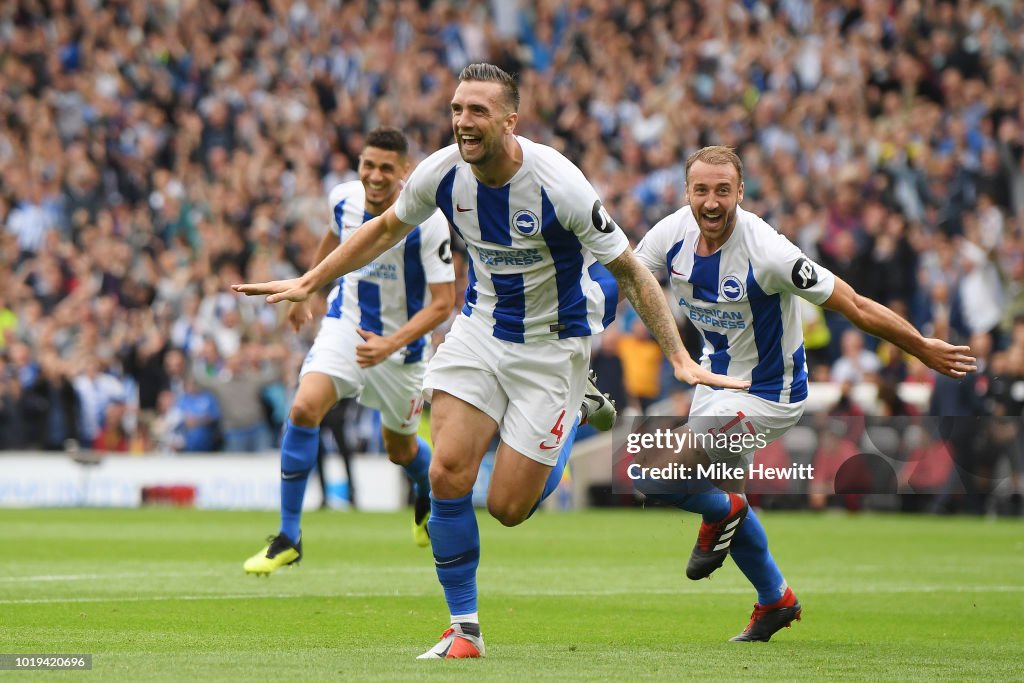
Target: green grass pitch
{"x": 159, "y": 594}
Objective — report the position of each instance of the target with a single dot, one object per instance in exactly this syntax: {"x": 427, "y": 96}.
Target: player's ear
{"x": 510, "y": 121}
{"x": 739, "y": 197}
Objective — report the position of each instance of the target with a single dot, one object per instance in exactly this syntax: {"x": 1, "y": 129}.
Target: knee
{"x": 401, "y": 451}
{"x": 400, "y": 458}
{"x": 509, "y": 513}
{"x": 305, "y": 413}
{"x": 450, "y": 479}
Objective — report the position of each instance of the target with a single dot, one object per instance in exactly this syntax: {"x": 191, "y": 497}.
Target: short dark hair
{"x": 494, "y": 74}
{"x": 388, "y": 138}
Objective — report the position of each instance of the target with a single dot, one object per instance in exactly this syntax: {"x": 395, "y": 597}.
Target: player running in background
{"x": 515, "y": 362}
{"x": 737, "y": 277}
{"x": 372, "y": 341}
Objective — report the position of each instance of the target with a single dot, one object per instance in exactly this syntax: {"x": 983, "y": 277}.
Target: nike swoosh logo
{"x": 441, "y": 564}
{"x": 545, "y": 447}
{"x": 675, "y": 272}
{"x": 293, "y": 475}
{"x": 461, "y": 210}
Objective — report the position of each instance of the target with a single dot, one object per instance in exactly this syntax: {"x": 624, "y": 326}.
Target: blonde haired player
{"x": 736, "y": 278}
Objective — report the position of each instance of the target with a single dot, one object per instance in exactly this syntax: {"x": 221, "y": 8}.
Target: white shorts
{"x": 532, "y": 390}
{"x": 736, "y": 413}
{"x": 392, "y": 387}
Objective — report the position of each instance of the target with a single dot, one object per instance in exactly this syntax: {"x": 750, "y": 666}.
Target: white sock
{"x": 473, "y": 618}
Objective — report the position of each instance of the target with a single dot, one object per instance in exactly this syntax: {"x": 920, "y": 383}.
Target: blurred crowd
{"x": 154, "y": 152}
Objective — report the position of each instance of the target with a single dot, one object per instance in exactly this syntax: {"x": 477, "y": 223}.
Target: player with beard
{"x": 737, "y": 279}
{"x": 515, "y": 362}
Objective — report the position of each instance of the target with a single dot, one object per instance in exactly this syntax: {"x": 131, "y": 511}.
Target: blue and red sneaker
{"x": 766, "y": 620}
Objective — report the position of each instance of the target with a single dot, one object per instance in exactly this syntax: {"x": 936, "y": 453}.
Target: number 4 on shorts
{"x": 558, "y": 431}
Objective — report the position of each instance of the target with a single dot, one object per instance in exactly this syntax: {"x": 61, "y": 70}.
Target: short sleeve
{"x": 337, "y": 198}
{"x": 652, "y": 251}
{"x": 580, "y": 209}
{"x": 787, "y": 269}
{"x": 436, "y": 249}
{"x": 418, "y": 199}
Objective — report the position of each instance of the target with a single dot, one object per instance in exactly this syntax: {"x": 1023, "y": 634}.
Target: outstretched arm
{"x": 644, "y": 292}
{"x": 371, "y": 240}
{"x": 298, "y": 311}
{"x": 376, "y": 348}
{"x": 876, "y": 319}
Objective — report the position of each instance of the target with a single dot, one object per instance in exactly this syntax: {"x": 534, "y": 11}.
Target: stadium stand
{"x": 151, "y": 154}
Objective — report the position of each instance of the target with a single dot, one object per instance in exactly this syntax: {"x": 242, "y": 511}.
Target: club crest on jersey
{"x": 526, "y": 223}
{"x": 731, "y": 288}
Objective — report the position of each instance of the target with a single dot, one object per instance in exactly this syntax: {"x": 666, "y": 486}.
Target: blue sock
{"x": 750, "y": 552}
{"x": 455, "y": 540}
{"x": 298, "y": 458}
{"x": 418, "y": 470}
{"x": 713, "y": 504}
{"x": 555, "y": 477}
{"x": 696, "y": 495}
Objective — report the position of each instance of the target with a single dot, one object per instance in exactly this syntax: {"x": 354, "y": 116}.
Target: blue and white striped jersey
{"x": 741, "y": 298}
{"x": 382, "y": 295}
{"x": 534, "y": 244}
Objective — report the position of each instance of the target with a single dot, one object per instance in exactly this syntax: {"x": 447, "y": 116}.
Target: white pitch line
{"x": 84, "y": 577}
{"x": 427, "y": 569}
{"x": 515, "y": 593}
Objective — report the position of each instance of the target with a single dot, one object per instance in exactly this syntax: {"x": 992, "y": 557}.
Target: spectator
{"x": 31, "y": 220}
{"x": 198, "y": 415}
{"x": 8, "y": 322}
{"x": 856, "y": 364}
{"x": 156, "y": 153}
{"x": 55, "y": 408}
{"x": 15, "y": 429}
{"x": 816, "y": 340}
{"x": 114, "y": 435}
{"x": 893, "y": 363}
{"x": 96, "y": 388}
{"x": 890, "y": 404}
{"x": 144, "y": 362}
{"x": 238, "y": 388}
{"x": 22, "y": 364}
{"x": 641, "y": 365}
{"x": 981, "y": 290}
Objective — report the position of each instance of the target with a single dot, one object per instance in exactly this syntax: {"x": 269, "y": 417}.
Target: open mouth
{"x": 712, "y": 218}
{"x": 470, "y": 142}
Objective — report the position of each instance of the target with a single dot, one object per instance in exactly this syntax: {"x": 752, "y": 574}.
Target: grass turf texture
{"x": 159, "y": 594}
